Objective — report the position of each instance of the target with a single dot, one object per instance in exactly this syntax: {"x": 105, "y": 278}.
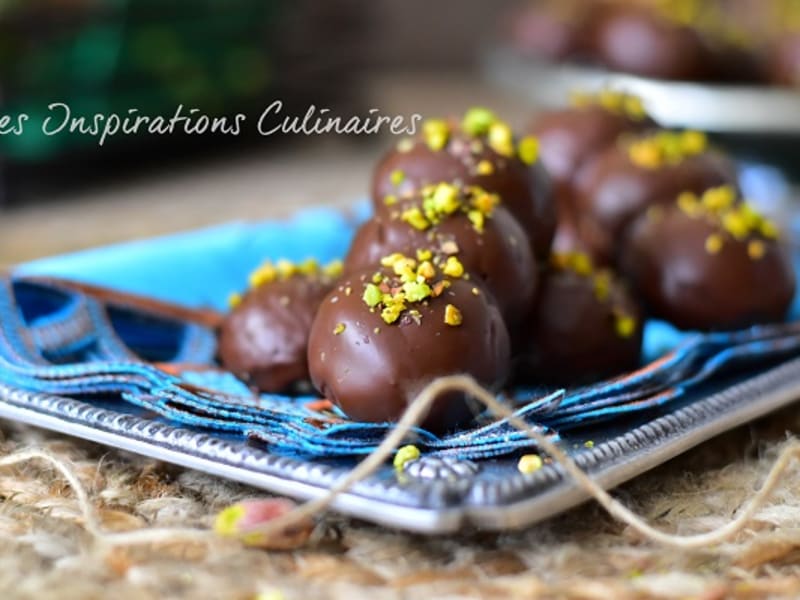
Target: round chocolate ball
{"x": 639, "y": 40}
{"x": 552, "y": 30}
{"x": 467, "y": 227}
{"x": 586, "y": 326}
{"x": 383, "y": 334}
{"x": 570, "y": 137}
{"x": 783, "y": 60}
{"x": 264, "y": 339}
{"x": 637, "y": 173}
{"x": 705, "y": 264}
{"x": 480, "y": 151}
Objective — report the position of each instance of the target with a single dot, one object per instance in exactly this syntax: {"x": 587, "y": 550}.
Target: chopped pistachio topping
{"x": 602, "y": 285}
{"x": 265, "y": 273}
{"x": 666, "y": 148}
{"x": 414, "y": 217}
{"x": 690, "y": 204}
{"x": 333, "y": 269}
{"x": 625, "y": 326}
{"x": 443, "y": 200}
{"x": 372, "y": 295}
{"x": 483, "y": 201}
{"x": 634, "y": 108}
{"x": 735, "y": 223}
{"x": 449, "y": 247}
{"x": 501, "y": 139}
{"x": 405, "y": 145}
{"x": 578, "y": 262}
{"x": 416, "y": 291}
{"x": 397, "y": 177}
{"x": 392, "y": 310}
{"x": 405, "y": 268}
{"x": 405, "y": 455}
{"x": 737, "y": 220}
{"x": 529, "y": 463}
{"x": 478, "y": 120}
{"x": 286, "y": 269}
{"x": 234, "y": 299}
{"x": 388, "y": 261}
{"x": 768, "y": 230}
{"x": 484, "y": 127}
{"x": 693, "y": 142}
{"x": 484, "y": 167}
{"x": 424, "y": 254}
{"x": 528, "y": 150}
{"x": 339, "y": 329}
{"x": 613, "y": 101}
{"x": 453, "y": 267}
{"x": 719, "y": 198}
{"x": 439, "y": 287}
{"x": 588, "y": 444}
{"x": 436, "y": 133}
{"x": 269, "y": 272}
{"x": 410, "y": 282}
{"x": 714, "y": 243}
{"x": 452, "y": 316}
{"x": 477, "y": 219}
{"x": 390, "y": 200}
{"x": 756, "y": 249}
{"x": 426, "y": 270}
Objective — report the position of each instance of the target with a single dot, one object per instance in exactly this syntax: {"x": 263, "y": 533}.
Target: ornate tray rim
{"x": 425, "y": 506}
{"x": 710, "y": 107}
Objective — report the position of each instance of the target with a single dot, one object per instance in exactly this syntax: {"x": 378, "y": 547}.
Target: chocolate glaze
{"x": 264, "y": 339}
{"x": 668, "y": 262}
{"x": 525, "y": 189}
{"x": 611, "y": 191}
{"x": 783, "y": 65}
{"x": 373, "y": 376}
{"x": 569, "y": 137}
{"x": 499, "y": 256}
{"x": 574, "y": 336}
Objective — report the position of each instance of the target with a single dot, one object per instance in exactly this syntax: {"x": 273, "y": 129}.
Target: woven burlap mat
{"x": 46, "y": 551}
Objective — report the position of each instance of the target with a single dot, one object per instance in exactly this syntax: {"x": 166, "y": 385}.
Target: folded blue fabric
{"x": 59, "y": 341}
{"x": 201, "y": 268}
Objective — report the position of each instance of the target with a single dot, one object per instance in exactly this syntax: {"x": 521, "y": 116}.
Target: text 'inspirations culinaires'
{"x": 59, "y": 119}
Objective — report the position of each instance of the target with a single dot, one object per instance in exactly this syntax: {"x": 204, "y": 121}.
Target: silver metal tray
{"x": 431, "y": 496}
{"x": 725, "y": 109}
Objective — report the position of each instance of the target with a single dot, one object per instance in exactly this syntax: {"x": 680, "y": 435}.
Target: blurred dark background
{"x": 223, "y": 57}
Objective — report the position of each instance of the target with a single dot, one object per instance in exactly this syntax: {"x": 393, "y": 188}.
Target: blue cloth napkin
{"x": 67, "y": 343}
